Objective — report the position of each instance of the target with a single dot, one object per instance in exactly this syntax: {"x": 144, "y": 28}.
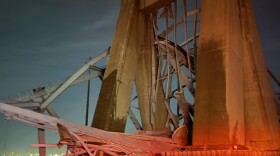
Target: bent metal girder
{"x": 92, "y": 139}
{"x": 39, "y": 95}
{"x": 81, "y": 139}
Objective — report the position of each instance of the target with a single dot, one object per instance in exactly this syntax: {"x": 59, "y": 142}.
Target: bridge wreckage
{"x": 220, "y": 87}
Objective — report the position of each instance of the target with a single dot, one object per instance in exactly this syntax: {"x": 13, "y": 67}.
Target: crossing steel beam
{"x": 70, "y": 80}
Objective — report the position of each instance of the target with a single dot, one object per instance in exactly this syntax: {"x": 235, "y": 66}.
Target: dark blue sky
{"x": 45, "y": 41}
{"x": 267, "y": 15}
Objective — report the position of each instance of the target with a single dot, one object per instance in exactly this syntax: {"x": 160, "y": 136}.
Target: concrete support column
{"x": 114, "y": 99}
{"x": 219, "y": 107}
{"x": 132, "y": 39}
{"x": 261, "y": 124}
{"x": 143, "y": 80}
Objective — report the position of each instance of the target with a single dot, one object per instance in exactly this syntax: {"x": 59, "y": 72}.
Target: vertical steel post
{"x": 88, "y": 95}
{"x": 41, "y": 139}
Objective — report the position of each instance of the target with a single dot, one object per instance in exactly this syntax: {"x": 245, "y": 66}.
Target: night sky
{"x": 43, "y": 42}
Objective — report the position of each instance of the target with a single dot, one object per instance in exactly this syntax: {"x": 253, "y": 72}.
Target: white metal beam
{"x": 70, "y": 80}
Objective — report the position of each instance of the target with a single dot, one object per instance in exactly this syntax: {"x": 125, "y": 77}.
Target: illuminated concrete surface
{"x": 234, "y": 99}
